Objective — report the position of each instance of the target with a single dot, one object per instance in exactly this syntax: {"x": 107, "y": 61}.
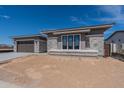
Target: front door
{"x": 106, "y": 50}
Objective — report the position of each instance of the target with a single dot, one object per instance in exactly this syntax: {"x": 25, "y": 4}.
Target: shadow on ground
{"x": 118, "y": 56}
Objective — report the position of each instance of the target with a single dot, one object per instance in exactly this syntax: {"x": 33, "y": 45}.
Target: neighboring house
{"x": 116, "y": 40}
{"x": 6, "y": 48}
{"x": 32, "y": 43}
{"x": 84, "y": 41}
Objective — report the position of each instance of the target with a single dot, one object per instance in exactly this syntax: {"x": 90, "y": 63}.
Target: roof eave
{"x": 69, "y": 32}
{"x": 81, "y": 28}
{"x": 14, "y": 37}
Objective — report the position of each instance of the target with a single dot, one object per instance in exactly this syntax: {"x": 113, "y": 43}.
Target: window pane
{"x": 64, "y": 42}
{"x": 76, "y": 41}
{"x": 70, "y": 42}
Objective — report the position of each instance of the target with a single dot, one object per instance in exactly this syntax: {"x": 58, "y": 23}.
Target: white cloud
{"x": 106, "y": 13}
{"x": 114, "y": 11}
{"x": 5, "y": 16}
{"x": 115, "y": 19}
{"x": 78, "y": 20}
{"x": 73, "y": 18}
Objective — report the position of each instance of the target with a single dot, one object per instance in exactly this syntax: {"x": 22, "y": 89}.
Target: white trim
{"x": 42, "y": 40}
{"x": 62, "y": 42}
{"x": 97, "y": 35}
{"x": 79, "y": 41}
{"x": 15, "y": 46}
{"x": 36, "y": 46}
{"x": 71, "y": 32}
{"x": 52, "y": 37}
{"x": 25, "y": 40}
{"x": 28, "y": 36}
{"x": 84, "y": 50}
{"x": 73, "y": 42}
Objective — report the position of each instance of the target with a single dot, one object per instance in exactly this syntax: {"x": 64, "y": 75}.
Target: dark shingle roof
{"x": 33, "y": 35}
{"x": 114, "y": 34}
{"x": 78, "y": 28}
{"x": 114, "y": 29}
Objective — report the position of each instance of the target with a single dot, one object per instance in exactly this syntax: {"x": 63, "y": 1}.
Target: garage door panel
{"x": 25, "y": 46}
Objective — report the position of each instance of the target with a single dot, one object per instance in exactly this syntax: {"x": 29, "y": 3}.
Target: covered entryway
{"x": 25, "y": 46}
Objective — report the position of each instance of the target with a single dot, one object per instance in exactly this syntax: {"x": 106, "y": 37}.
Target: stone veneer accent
{"x": 51, "y": 43}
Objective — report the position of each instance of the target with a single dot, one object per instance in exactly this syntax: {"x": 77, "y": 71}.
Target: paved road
{"x": 7, "y": 56}
{"x": 7, "y": 85}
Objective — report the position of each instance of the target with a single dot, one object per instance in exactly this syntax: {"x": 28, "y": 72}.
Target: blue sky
{"x": 24, "y": 20}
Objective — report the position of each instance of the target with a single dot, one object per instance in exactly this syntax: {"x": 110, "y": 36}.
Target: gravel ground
{"x": 63, "y": 72}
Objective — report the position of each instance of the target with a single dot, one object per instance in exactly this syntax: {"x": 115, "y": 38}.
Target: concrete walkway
{"x": 11, "y": 55}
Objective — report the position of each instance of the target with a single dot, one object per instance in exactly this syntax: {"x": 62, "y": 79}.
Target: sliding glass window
{"x": 76, "y": 41}
{"x": 70, "y": 42}
{"x": 64, "y": 41}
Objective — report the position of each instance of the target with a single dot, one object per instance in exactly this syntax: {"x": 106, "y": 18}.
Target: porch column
{"x": 15, "y": 46}
{"x": 36, "y": 46}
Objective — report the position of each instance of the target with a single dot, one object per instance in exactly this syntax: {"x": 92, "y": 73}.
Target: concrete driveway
{"x": 11, "y": 55}
{"x": 7, "y": 85}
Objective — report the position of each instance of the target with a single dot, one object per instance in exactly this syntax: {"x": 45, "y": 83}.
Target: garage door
{"x": 25, "y": 46}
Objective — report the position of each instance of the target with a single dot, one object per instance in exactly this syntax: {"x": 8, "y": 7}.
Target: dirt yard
{"x": 60, "y": 71}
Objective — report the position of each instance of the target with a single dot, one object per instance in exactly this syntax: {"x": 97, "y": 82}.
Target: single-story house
{"x": 30, "y": 43}
{"x": 116, "y": 41}
{"x": 6, "y": 48}
{"x": 84, "y": 41}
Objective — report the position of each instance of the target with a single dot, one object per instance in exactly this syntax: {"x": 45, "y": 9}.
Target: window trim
{"x": 79, "y": 42}
{"x": 62, "y": 42}
{"x": 73, "y": 41}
